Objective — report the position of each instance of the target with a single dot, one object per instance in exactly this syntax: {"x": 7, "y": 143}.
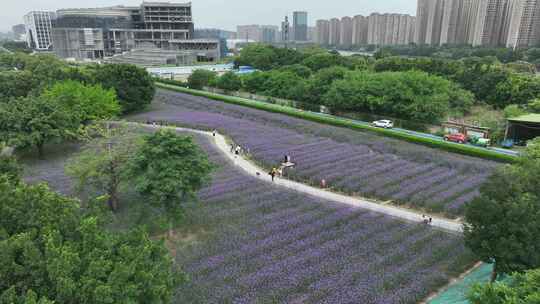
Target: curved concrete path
{"x": 252, "y": 169}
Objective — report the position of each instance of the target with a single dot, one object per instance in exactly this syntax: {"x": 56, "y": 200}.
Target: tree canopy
{"x": 90, "y": 102}
{"x": 411, "y": 95}
{"x": 200, "y": 78}
{"x": 36, "y": 120}
{"x": 503, "y": 223}
{"x": 522, "y": 289}
{"x": 50, "y": 251}
{"x": 133, "y": 85}
{"x": 169, "y": 169}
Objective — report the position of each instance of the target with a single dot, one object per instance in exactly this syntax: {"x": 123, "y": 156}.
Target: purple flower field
{"x": 350, "y": 161}
{"x": 270, "y": 245}
{"x": 286, "y": 247}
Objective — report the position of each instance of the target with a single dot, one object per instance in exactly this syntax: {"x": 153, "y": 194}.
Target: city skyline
{"x": 222, "y": 14}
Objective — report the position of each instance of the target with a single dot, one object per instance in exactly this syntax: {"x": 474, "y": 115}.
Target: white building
{"x": 38, "y": 30}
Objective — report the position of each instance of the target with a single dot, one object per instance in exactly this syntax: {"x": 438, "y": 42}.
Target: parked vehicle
{"x": 387, "y": 124}
{"x": 507, "y": 144}
{"x": 456, "y": 137}
{"x": 479, "y": 141}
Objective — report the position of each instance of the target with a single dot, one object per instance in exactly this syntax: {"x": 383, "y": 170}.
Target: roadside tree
{"x": 503, "y": 223}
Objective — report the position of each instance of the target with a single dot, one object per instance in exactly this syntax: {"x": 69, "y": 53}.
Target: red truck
{"x": 456, "y": 137}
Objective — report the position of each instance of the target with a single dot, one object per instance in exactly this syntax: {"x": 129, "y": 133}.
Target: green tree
{"x": 255, "y": 82}
{"x": 133, "y": 85}
{"x": 10, "y": 168}
{"x": 259, "y": 56}
{"x": 409, "y": 95}
{"x": 200, "y": 78}
{"x": 322, "y": 61}
{"x": 229, "y": 82}
{"x": 503, "y": 223}
{"x": 90, "y": 103}
{"x": 34, "y": 121}
{"x": 321, "y": 82}
{"x": 169, "y": 169}
{"x": 285, "y": 85}
{"x": 523, "y": 289}
{"x": 16, "y": 84}
{"x": 534, "y": 105}
{"x": 103, "y": 163}
{"x": 298, "y": 69}
{"x": 514, "y": 111}
{"x": 52, "y": 252}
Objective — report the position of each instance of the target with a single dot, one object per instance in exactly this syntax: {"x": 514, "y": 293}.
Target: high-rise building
{"x": 524, "y": 24}
{"x": 360, "y": 30}
{"x": 300, "y": 25}
{"x": 38, "y": 30}
{"x": 512, "y": 23}
{"x": 390, "y": 29}
{"x": 164, "y": 29}
{"x": 312, "y": 34}
{"x": 269, "y": 33}
{"x": 323, "y": 32}
{"x": 334, "y": 31}
{"x": 249, "y": 32}
{"x": 19, "y": 31}
{"x": 346, "y": 32}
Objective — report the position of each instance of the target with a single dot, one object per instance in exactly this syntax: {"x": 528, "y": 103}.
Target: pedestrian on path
{"x": 232, "y": 148}
{"x": 214, "y": 133}
{"x": 237, "y": 150}
{"x": 323, "y": 183}
{"x": 273, "y": 173}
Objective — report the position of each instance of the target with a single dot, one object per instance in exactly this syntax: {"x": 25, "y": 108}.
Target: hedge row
{"x": 340, "y": 122}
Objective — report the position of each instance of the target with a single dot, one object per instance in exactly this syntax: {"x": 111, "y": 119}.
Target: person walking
{"x": 232, "y": 148}
{"x": 237, "y": 150}
{"x": 214, "y": 132}
{"x": 323, "y": 183}
{"x": 273, "y": 173}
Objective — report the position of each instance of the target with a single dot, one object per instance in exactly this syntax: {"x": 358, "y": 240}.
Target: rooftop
{"x": 532, "y": 118}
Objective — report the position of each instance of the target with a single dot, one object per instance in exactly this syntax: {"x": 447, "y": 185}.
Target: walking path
{"x": 256, "y": 171}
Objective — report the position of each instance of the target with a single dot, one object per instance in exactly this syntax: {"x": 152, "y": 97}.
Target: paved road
{"x": 257, "y": 172}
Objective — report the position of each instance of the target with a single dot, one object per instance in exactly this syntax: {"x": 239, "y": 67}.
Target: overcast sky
{"x": 224, "y": 14}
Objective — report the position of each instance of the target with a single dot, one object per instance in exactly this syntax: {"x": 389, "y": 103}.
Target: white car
{"x": 387, "y": 124}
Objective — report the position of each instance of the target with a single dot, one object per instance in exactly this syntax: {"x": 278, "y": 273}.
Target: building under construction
{"x": 131, "y": 32}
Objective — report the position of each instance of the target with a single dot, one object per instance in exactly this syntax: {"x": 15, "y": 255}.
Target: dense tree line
{"x": 24, "y": 75}
{"x": 43, "y": 99}
{"x": 53, "y": 251}
{"x": 454, "y": 52}
{"x": 488, "y": 79}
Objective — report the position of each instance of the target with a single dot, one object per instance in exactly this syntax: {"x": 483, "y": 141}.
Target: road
{"x": 257, "y": 172}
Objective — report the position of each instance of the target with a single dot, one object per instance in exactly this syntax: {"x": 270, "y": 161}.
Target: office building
{"x": 323, "y": 32}
{"x": 346, "y": 32}
{"x": 300, "y": 25}
{"x": 249, "y": 32}
{"x": 269, "y": 33}
{"x": 38, "y": 30}
{"x": 151, "y": 28}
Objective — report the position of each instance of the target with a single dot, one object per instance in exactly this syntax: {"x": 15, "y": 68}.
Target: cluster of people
{"x": 427, "y": 220}
{"x": 238, "y": 150}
